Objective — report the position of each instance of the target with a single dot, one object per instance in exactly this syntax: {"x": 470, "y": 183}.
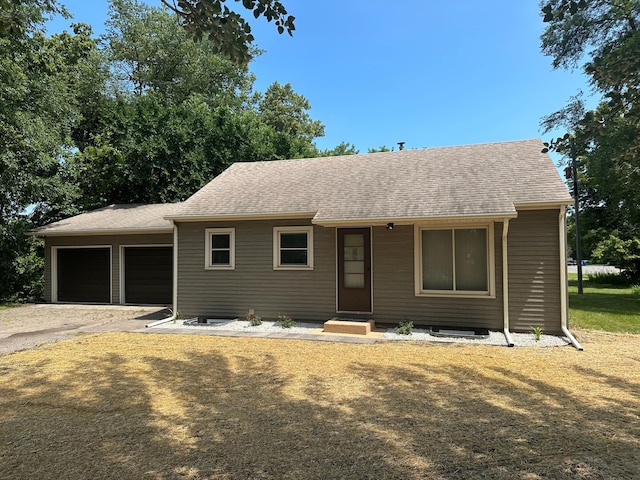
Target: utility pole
{"x": 574, "y": 174}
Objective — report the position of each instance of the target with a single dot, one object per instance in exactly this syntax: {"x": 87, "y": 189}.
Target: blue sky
{"x": 425, "y": 72}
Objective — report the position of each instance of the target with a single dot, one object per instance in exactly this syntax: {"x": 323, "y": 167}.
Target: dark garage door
{"x": 84, "y": 275}
{"x": 148, "y": 277}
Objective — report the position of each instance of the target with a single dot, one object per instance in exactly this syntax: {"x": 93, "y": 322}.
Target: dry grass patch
{"x": 132, "y": 406}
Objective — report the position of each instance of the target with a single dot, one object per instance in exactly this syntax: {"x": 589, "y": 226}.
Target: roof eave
{"x": 239, "y": 217}
{"x": 399, "y": 220}
{"x": 102, "y": 231}
{"x": 546, "y": 205}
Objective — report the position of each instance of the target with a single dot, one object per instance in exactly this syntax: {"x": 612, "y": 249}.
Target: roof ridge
{"x": 390, "y": 152}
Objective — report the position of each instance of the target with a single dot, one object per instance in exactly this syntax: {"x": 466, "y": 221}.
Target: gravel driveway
{"x": 27, "y": 326}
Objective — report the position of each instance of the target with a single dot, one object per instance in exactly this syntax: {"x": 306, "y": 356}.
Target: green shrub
{"x": 621, "y": 249}
{"x": 405, "y": 327}
{"x": 608, "y": 278}
{"x": 253, "y": 319}
{"x": 635, "y": 289}
{"x": 285, "y": 321}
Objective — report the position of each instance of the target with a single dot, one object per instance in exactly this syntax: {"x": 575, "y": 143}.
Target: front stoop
{"x": 349, "y": 327}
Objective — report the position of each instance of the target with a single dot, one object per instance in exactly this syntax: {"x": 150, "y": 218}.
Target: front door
{"x": 354, "y": 270}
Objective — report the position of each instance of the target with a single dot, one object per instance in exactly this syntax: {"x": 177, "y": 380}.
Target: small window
{"x": 293, "y": 248}
{"x": 220, "y": 249}
{"x": 455, "y": 261}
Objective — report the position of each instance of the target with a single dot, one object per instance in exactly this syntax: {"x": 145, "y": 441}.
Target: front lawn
{"x": 138, "y": 406}
{"x": 604, "y": 307}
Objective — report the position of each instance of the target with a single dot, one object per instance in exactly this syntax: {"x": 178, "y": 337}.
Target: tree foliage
{"x": 21, "y": 17}
{"x": 174, "y": 113}
{"x": 604, "y": 36}
{"x": 343, "y": 148}
{"x": 38, "y": 106}
{"x": 226, "y": 29}
{"x": 601, "y": 37}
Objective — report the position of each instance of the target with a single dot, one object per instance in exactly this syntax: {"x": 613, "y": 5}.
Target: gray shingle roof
{"x": 114, "y": 219}
{"x": 487, "y": 179}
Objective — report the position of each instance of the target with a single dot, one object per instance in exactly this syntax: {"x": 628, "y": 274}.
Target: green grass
{"x": 604, "y": 307}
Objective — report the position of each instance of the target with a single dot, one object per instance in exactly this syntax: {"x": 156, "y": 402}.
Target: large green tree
{"x": 174, "y": 113}
{"x": 38, "y": 107}
{"x": 602, "y": 37}
{"x": 293, "y": 131}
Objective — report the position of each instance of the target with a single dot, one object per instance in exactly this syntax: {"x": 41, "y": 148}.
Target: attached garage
{"x": 148, "y": 275}
{"x": 120, "y": 254}
{"x": 83, "y": 275}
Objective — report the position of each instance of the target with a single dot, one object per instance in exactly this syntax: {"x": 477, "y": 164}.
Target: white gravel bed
{"x": 418, "y": 334}
{"x": 244, "y": 326}
{"x": 494, "y": 338}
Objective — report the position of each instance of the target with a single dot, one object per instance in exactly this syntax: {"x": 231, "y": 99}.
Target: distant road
{"x": 588, "y": 269}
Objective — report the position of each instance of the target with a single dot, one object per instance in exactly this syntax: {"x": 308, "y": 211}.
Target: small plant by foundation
{"x": 537, "y": 332}
{"x": 285, "y": 321}
{"x": 405, "y": 327}
{"x": 253, "y": 319}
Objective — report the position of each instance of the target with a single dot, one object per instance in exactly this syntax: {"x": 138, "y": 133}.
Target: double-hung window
{"x": 293, "y": 248}
{"x": 220, "y": 249}
{"x": 455, "y": 261}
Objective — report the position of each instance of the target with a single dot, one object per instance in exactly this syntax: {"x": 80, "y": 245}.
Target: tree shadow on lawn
{"x": 225, "y": 415}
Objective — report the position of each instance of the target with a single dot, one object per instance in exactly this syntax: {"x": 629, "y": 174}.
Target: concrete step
{"x": 349, "y": 327}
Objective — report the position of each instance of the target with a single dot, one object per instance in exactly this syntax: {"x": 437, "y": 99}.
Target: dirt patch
{"x": 130, "y": 406}
{"x": 26, "y": 326}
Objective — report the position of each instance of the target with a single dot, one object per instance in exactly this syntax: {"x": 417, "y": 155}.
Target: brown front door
{"x": 354, "y": 270}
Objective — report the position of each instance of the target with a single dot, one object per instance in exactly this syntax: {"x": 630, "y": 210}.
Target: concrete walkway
{"x": 317, "y": 337}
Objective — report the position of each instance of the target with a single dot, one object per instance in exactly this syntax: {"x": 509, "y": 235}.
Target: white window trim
{"x": 207, "y": 248}
{"x": 276, "y": 247}
{"x": 491, "y": 274}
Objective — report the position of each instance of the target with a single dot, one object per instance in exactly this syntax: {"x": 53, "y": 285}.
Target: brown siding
{"x": 114, "y": 240}
{"x": 305, "y": 294}
{"x": 534, "y": 271}
{"x": 394, "y": 289}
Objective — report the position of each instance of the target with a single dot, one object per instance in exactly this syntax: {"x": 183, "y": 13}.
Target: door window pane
{"x": 354, "y": 250}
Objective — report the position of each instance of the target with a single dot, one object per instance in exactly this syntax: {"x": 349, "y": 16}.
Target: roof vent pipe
{"x": 401, "y": 145}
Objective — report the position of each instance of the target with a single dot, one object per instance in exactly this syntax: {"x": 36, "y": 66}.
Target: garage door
{"x": 148, "y": 275}
{"x": 84, "y": 275}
